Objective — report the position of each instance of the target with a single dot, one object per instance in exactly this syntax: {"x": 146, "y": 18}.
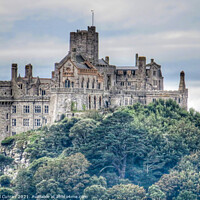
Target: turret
{"x": 182, "y": 82}
{"x": 14, "y": 72}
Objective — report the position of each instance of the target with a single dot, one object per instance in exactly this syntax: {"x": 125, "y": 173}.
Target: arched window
{"x": 93, "y": 83}
{"x": 99, "y": 102}
{"x": 89, "y": 102}
{"x": 88, "y": 83}
{"x": 82, "y": 83}
{"x": 67, "y": 83}
{"x": 95, "y": 102}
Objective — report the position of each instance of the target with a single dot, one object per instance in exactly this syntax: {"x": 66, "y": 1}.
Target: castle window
{"x": 7, "y": 116}
{"x": 99, "y": 85}
{"x": 14, "y": 109}
{"x": 154, "y": 73}
{"x": 95, "y": 104}
{"x": 179, "y": 100}
{"x": 14, "y": 122}
{"x": 46, "y": 109}
{"x": 125, "y": 73}
{"x": 99, "y": 102}
{"x": 37, "y": 122}
{"x": 133, "y": 72}
{"x": 45, "y": 120}
{"x": 25, "y": 122}
{"x": 13, "y": 133}
{"x": 126, "y": 102}
{"x": 37, "y": 109}
{"x": 129, "y": 83}
{"x": 154, "y": 100}
{"x": 122, "y": 83}
{"x": 89, "y": 102}
{"x": 82, "y": 83}
{"x": 88, "y": 83}
{"x": 26, "y": 109}
{"x": 72, "y": 84}
{"x": 7, "y": 128}
{"x": 67, "y": 83}
{"x": 43, "y": 92}
{"x": 154, "y": 82}
{"x": 93, "y": 83}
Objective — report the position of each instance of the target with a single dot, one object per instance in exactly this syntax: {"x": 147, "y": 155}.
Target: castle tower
{"x": 182, "y": 82}
{"x": 14, "y": 72}
{"x": 86, "y": 43}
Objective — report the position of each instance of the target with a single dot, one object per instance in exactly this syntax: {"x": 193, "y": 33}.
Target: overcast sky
{"x": 37, "y": 32}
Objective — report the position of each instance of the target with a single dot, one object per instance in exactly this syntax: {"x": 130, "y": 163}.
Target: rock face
{"x": 18, "y": 153}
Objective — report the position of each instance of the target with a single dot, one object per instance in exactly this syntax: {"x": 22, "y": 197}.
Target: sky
{"x": 37, "y": 32}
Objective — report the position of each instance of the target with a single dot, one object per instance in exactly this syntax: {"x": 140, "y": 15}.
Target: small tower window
{"x": 67, "y": 83}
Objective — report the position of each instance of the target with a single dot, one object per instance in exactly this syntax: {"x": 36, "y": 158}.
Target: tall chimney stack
{"x": 14, "y": 72}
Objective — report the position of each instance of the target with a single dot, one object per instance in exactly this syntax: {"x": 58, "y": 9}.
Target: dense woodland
{"x": 129, "y": 153}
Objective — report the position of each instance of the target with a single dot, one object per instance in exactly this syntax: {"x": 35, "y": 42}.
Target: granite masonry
{"x": 80, "y": 81}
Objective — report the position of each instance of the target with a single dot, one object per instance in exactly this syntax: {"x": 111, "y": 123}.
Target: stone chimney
{"x": 107, "y": 59}
{"x": 182, "y": 82}
{"x": 14, "y": 72}
{"x": 136, "y": 59}
{"x": 152, "y": 60}
{"x": 28, "y": 71}
{"x": 142, "y": 61}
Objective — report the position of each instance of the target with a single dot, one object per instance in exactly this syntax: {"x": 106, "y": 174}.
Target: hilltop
{"x": 133, "y": 152}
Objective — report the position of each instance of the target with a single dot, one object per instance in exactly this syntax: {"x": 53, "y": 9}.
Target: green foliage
{"x": 62, "y": 117}
{"x": 94, "y": 192}
{"x": 5, "y": 181}
{"x": 73, "y": 106}
{"x": 68, "y": 174}
{"x": 6, "y": 193}
{"x": 24, "y": 183}
{"x": 154, "y": 146}
{"x": 7, "y": 141}
{"x": 51, "y": 142}
{"x": 155, "y": 193}
{"x": 84, "y": 107}
{"x": 129, "y": 191}
{"x": 4, "y": 161}
{"x": 49, "y": 188}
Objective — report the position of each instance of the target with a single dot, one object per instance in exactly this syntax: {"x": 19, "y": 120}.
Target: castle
{"x": 80, "y": 81}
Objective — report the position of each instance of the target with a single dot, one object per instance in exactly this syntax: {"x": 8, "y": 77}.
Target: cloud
{"x": 113, "y": 14}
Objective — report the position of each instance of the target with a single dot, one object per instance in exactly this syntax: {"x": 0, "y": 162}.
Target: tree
{"x": 186, "y": 195}
{"x": 5, "y": 181}
{"x": 94, "y": 192}
{"x": 68, "y": 173}
{"x": 4, "y": 161}
{"x": 6, "y": 193}
{"x": 155, "y": 193}
{"x": 129, "y": 192}
{"x": 24, "y": 184}
{"x": 49, "y": 188}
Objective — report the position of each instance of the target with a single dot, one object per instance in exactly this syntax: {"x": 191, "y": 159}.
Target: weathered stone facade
{"x": 80, "y": 81}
